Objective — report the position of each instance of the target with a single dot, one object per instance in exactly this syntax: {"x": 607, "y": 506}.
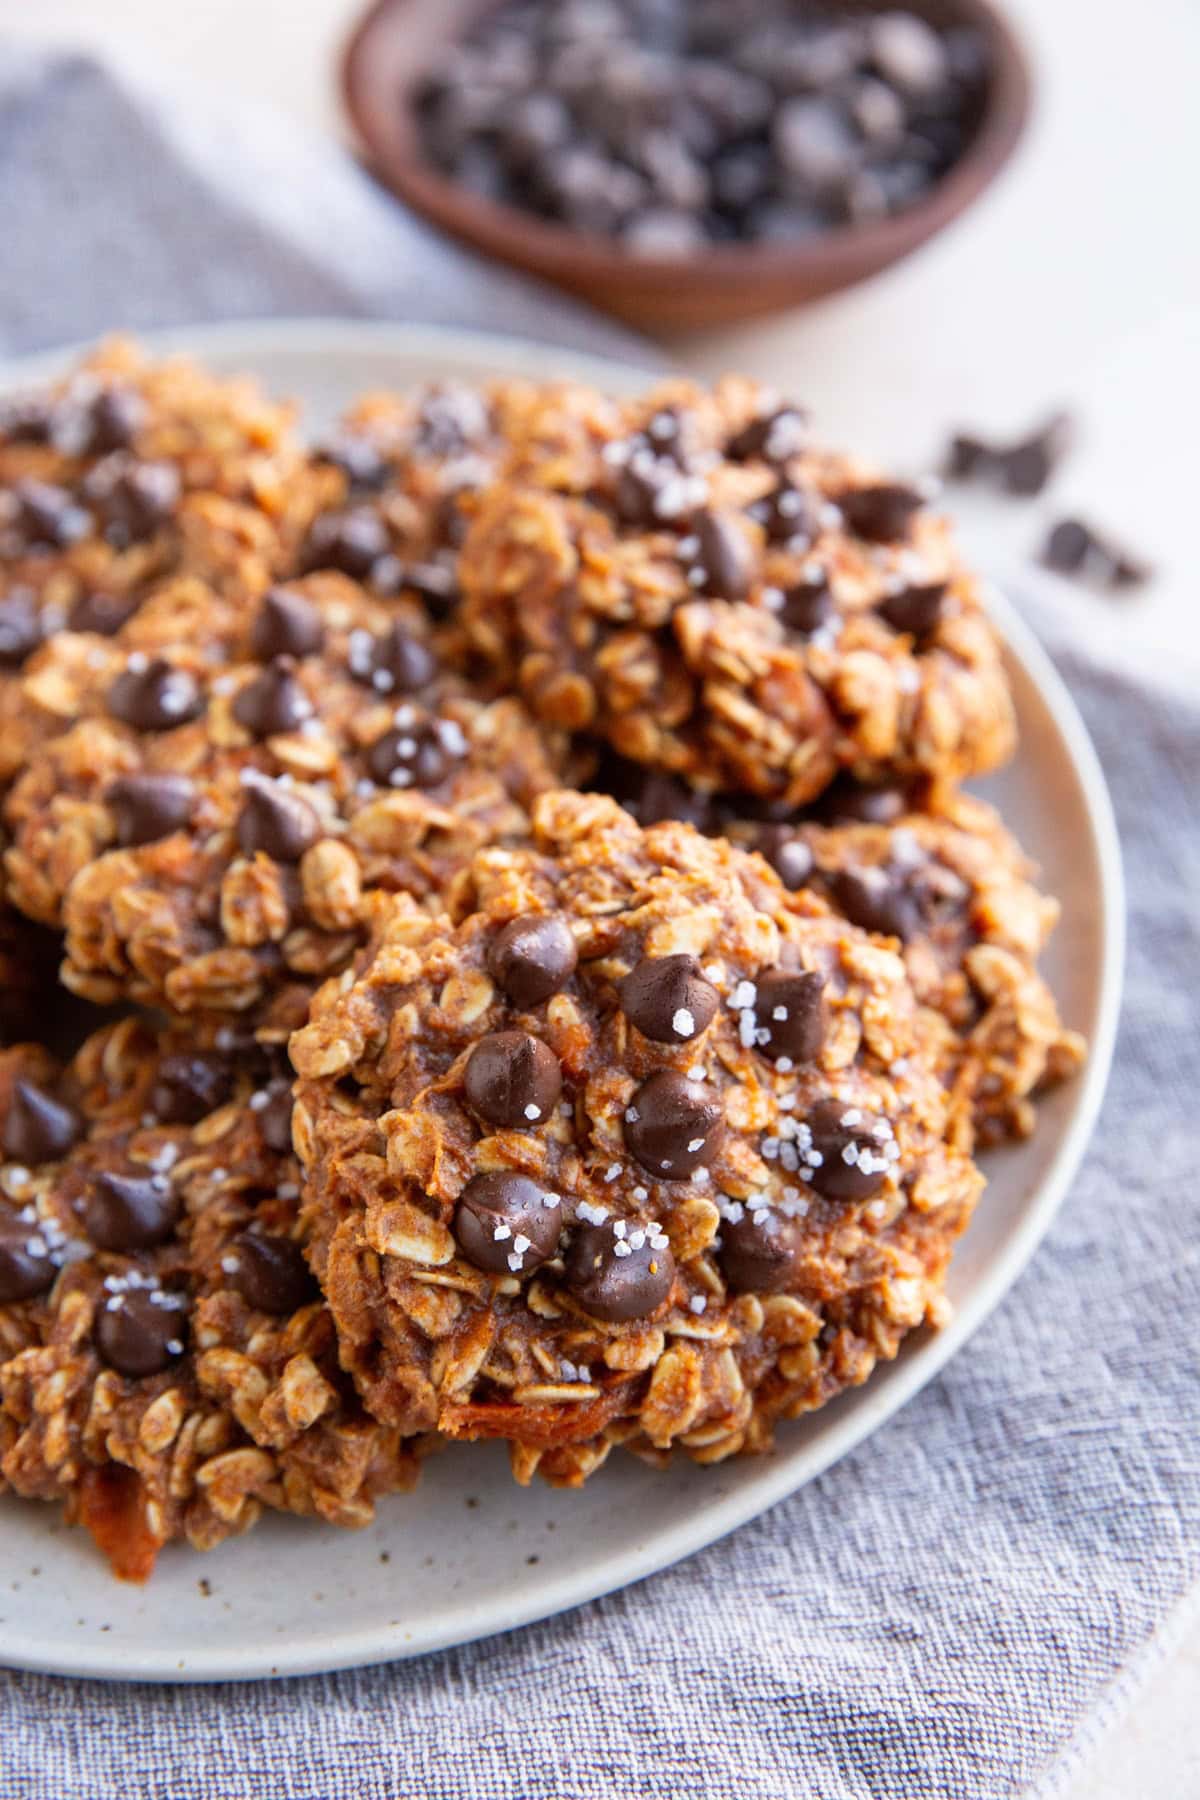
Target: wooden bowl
{"x": 398, "y": 39}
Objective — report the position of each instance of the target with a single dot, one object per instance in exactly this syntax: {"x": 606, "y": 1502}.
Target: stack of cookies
{"x": 494, "y": 942}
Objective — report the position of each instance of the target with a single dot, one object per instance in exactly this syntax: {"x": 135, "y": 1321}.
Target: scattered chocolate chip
{"x": 878, "y": 899}
{"x": 788, "y": 855}
{"x": 155, "y": 696}
{"x": 102, "y": 613}
{"x": 915, "y": 610}
{"x": 189, "y": 1086}
{"x": 271, "y": 1273}
{"x": 789, "y": 1007}
{"x": 352, "y": 542}
{"x": 20, "y": 628}
{"x": 815, "y": 144}
{"x": 49, "y": 515}
{"x": 26, "y": 1267}
{"x": 149, "y": 807}
{"x": 848, "y": 802}
{"x": 135, "y": 499}
{"x": 395, "y": 662}
{"x": 274, "y": 702}
{"x": 883, "y": 513}
{"x": 1023, "y": 469}
{"x": 724, "y": 556}
{"x": 275, "y": 1117}
{"x": 286, "y": 624}
{"x": 513, "y": 1079}
{"x": 774, "y": 437}
{"x": 788, "y": 513}
{"x": 761, "y": 1251}
{"x": 114, "y": 418}
{"x": 668, "y": 999}
{"x": 807, "y": 604}
{"x": 854, "y": 1149}
{"x": 362, "y": 463}
{"x": 532, "y": 957}
{"x": 418, "y": 755}
{"x": 620, "y": 1270}
{"x": 140, "y": 1331}
{"x": 507, "y": 1224}
{"x": 39, "y": 1128}
{"x": 674, "y": 1126}
{"x": 276, "y": 820}
{"x": 908, "y": 53}
{"x": 1073, "y": 548}
{"x": 130, "y": 1212}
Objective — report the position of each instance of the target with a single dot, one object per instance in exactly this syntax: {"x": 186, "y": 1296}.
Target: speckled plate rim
{"x": 843, "y": 1425}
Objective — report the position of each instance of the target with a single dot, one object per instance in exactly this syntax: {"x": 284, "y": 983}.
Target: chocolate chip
{"x": 674, "y": 1126}
{"x": 883, "y": 513}
{"x": 773, "y": 437}
{"x": 668, "y": 999}
{"x": 26, "y": 419}
{"x": 916, "y": 610}
{"x": 807, "y": 605}
{"x": 130, "y": 1212}
{"x": 1025, "y": 468}
{"x": 620, "y": 1270}
{"x": 361, "y": 462}
{"x": 435, "y": 584}
{"x": 140, "y": 1331}
{"x": 275, "y": 820}
{"x": 532, "y": 957}
{"x": 856, "y": 1149}
{"x": 908, "y": 52}
{"x": 761, "y": 1251}
{"x": 968, "y": 456}
{"x": 418, "y": 755}
{"x": 286, "y": 624}
{"x": 664, "y": 232}
{"x": 155, "y": 696}
{"x": 275, "y": 1117}
{"x": 724, "y": 556}
{"x": 38, "y": 1128}
{"x": 658, "y": 797}
{"x": 352, "y": 542}
{"x": 513, "y": 1079}
{"x": 135, "y": 499}
{"x": 26, "y": 1268}
{"x": 114, "y": 418}
{"x": 102, "y": 613}
{"x": 814, "y": 143}
{"x": 848, "y": 802}
{"x": 788, "y": 513}
{"x": 877, "y": 899}
{"x": 271, "y": 1273}
{"x": 189, "y": 1086}
{"x": 788, "y": 855}
{"x": 395, "y": 662}
{"x": 507, "y": 1224}
{"x": 49, "y": 515}
{"x": 1073, "y": 548}
{"x": 452, "y": 418}
{"x": 20, "y": 629}
{"x": 149, "y": 807}
{"x": 274, "y": 702}
{"x": 790, "y": 1009}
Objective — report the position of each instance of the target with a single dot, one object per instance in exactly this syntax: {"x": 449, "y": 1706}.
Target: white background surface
{"x": 1076, "y": 282}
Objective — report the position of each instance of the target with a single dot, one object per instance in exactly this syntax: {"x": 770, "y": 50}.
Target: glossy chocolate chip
{"x": 760, "y": 1252}
{"x": 513, "y": 1080}
{"x": 507, "y": 1224}
{"x": 724, "y": 556}
{"x": 38, "y": 1128}
{"x": 856, "y": 1149}
{"x": 49, "y": 515}
{"x": 883, "y": 513}
{"x": 114, "y": 418}
{"x": 149, "y": 807}
{"x": 435, "y": 583}
{"x": 418, "y": 755}
{"x": 274, "y": 702}
{"x": 102, "y": 613}
{"x": 673, "y": 1126}
{"x": 774, "y": 437}
{"x": 360, "y": 461}
{"x": 20, "y": 629}
{"x": 668, "y": 999}
{"x": 532, "y": 957}
{"x": 155, "y": 696}
{"x": 275, "y": 1116}
{"x": 286, "y": 624}
{"x": 654, "y": 797}
{"x": 395, "y": 662}
{"x": 620, "y": 1270}
{"x": 270, "y": 1272}
{"x": 807, "y": 605}
{"x": 915, "y": 610}
{"x": 136, "y": 499}
{"x": 130, "y": 1212}
{"x": 276, "y": 820}
{"x": 864, "y": 803}
{"x": 788, "y": 855}
{"x": 787, "y": 513}
{"x": 789, "y": 1007}
{"x": 26, "y": 1267}
{"x": 189, "y": 1086}
{"x": 1073, "y": 548}
{"x": 352, "y": 542}
{"x": 877, "y": 899}
{"x": 141, "y": 1331}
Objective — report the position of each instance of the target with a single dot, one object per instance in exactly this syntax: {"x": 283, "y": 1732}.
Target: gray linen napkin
{"x": 951, "y": 1611}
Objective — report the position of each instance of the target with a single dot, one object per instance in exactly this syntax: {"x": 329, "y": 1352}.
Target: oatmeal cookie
{"x": 208, "y": 826}
{"x": 167, "y": 1367}
{"x": 686, "y": 577}
{"x": 630, "y": 1146}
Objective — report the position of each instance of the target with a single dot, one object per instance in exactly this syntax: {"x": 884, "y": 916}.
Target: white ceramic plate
{"x": 471, "y": 1554}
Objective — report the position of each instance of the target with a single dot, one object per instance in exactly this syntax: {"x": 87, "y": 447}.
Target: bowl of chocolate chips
{"x": 688, "y": 162}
